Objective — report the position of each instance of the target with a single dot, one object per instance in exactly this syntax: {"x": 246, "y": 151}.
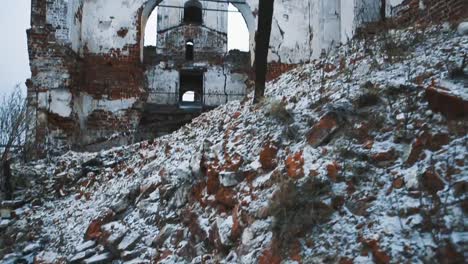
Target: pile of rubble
{"x": 350, "y": 159}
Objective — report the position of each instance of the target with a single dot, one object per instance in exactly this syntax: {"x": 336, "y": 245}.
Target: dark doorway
{"x": 193, "y": 12}
{"x": 189, "y": 50}
{"x": 191, "y": 88}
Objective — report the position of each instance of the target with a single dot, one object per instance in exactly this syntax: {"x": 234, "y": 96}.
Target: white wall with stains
{"x": 220, "y": 85}
{"x": 102, "y": 19}
{"x": 301, "y": 29}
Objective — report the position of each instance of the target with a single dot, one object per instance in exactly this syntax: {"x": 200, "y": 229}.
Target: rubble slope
{"x": 353, "y": 158}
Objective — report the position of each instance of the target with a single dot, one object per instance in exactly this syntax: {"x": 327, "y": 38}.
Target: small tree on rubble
{"x": 13, "y": 126}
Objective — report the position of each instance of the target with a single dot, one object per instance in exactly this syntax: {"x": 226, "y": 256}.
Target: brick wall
{"x": 57, "y": 17}
{"x": 431, "y": 11}
{"x": 277, "y": 69}
{"x": 111, "y": 78}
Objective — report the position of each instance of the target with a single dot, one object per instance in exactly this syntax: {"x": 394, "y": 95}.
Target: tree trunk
{"x": 383, "y": 7}
{"x": 262, "y": 44}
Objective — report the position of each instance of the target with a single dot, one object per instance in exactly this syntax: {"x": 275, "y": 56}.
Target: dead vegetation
{"x": 13, "y": 125}
{"x": 296, "y": 208}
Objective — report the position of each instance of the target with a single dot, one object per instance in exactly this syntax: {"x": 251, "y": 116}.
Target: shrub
{"x": 277, "y": 109}
{"x": 297, "y": 208}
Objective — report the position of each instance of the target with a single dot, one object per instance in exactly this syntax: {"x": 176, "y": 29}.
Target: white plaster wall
{"x": 163, "y": 85}
{"x": 60, "y": 103}
{"x": 61, "y": 14}
{"x": 57, "y": 101}
{"x": 74, "y": 24}
{"x": 102, "y": 19}
{"x": 57, "y": 16}
{"x": 330, "y": 25}
{"x": 301, "y": 28}
{"x": 347, "y": 20}
{"x": 85, "y": 104}
{"x": 367, "y": 11}
{"x": 216, "y": 93}
{"x": 392, "y": 7}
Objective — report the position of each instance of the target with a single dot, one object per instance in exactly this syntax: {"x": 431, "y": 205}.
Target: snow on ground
{"x": 387, "y": 172}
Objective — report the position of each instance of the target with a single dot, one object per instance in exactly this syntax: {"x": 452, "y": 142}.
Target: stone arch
{"x": 243, "y": 8}
{"x": 251, "y": 23}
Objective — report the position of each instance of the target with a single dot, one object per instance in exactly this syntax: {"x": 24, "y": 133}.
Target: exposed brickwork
{"x": 106, "y": 120}
{"x": 53, "y": 66}
{"x": 57, "y": 17}
{"x": 112, "y": 78}
{"x": 431, "y": 10}
{"x": 277, "y": 69}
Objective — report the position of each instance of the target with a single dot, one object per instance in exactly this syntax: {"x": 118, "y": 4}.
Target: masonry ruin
{"x": 95, "y": 85}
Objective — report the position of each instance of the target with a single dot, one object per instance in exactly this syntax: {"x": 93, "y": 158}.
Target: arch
{"x": 148, "y": 8}
{"x": 251, "y": 22}
{"x": 243, "y": 8}
{"x": 193, "y": 13}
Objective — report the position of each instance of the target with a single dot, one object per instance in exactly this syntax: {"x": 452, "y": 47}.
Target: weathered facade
{"x": 190, "y": 69}
{"x": 94, "y": 84}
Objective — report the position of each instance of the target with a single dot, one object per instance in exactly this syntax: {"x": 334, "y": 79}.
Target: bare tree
{"x": 13, "y": 126}
{"x": 262, "y": 44}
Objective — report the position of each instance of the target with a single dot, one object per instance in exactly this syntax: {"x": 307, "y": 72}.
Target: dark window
{"x": 191, "y": 88}
{"x": 189, "y": 50}
{"x": 193, "y": 12}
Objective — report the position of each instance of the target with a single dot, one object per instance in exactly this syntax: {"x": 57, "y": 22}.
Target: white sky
{"x": 15, "y": 19}
{"x": 14, "y": 61}
{"x": 238, "y": 34}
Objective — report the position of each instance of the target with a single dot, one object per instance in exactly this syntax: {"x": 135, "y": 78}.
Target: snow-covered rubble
{"x": 345, "y": 161}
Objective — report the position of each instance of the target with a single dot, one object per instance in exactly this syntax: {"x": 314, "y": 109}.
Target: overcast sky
{"x": 15, "y": 19}
{"x": 14, "y": 62}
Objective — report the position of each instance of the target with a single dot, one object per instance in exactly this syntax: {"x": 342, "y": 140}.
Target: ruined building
{"x": 95, "y": 85}
{"x": 190, "y": 70}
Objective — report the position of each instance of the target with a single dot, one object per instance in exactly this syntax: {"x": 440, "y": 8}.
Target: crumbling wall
{"x": 208, "y": 43}
{"x": 54, "y": 67}
{"x": 410, "y": 11}
{"x": 89, "y": 83}
{"x": 221, "y": 84}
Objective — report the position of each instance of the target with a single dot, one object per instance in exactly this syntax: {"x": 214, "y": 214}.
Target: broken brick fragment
{"x": 323, "y": 130}
{"x": 432, "y": 182}
{"x": 332, "y": 171}
{"x": 271, "y": 255}
{"x": 295, "y": 165}
{"x": 94, "y": 229}
{"x": 443, "y": 101}
{"x": 385, "y": 158}
{"x": 378, "y": 255}
{"x": 226, "y": 197}
{"x": 426, "y": 141}
{"x": 268, "y": 156}
{"x": 398, "y": 183}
